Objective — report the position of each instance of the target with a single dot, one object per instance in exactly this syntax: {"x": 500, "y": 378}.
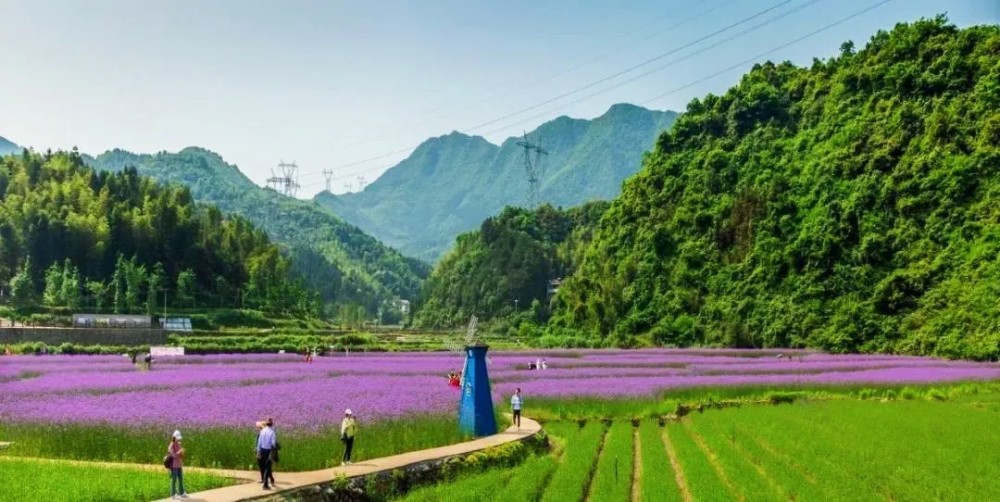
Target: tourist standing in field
{"x": 515, "y": 407}
{"x": 266, "y": 442}
{"x": 176, "y": 452}
{"x": 348, "y": 428}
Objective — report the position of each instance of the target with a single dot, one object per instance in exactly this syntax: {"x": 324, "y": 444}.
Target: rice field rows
{"x": 836, "y": 450}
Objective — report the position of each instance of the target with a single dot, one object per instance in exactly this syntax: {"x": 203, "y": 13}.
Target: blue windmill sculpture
{"x": 475, "y": 407}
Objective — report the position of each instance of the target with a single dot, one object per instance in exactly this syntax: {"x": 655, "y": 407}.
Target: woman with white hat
{"x": 348, "y": 428}
{"x": 176, "y": 452}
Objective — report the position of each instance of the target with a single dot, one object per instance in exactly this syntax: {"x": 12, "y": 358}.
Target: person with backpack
{"x": 348, "y": 429}
{"x": 175, "y": 456}
{"x": 267, "y": 441}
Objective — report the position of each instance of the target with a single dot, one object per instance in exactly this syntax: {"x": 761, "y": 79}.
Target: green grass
{"x": 939, "y": 443}
{"x": 579, "y": 457}
{"x": 657, "y": 482}
{"x": 702, "y": 479}
{"x": 613, "y": 478}
{"x": 523, "y": 482}
{"x": 846, "y": 450}
{"x": 224, "y": 448}
{"x": 25, "y": 480}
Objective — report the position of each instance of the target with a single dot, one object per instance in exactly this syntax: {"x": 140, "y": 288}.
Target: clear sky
{"x": 331, "y": 83}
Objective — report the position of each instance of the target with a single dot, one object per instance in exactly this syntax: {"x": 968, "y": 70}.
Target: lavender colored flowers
{"x": 234, "y": 390}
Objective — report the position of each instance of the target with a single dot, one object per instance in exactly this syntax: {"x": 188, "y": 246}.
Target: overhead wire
{"x": 619, "y": 84}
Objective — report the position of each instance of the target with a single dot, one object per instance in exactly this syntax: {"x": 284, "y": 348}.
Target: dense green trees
{"x": 335, "y": 258}
{"x": 851, "y": 206}
{"x": 506, "y": 265}
{"x": 92, "y": 240}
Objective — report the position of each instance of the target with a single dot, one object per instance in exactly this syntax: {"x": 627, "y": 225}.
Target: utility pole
{"x": 532, "y": 168}
{"x": 361, "y": 183}
{"x": 328, "y": 173}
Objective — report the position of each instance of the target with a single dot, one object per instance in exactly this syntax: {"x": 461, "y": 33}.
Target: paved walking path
{"x": 292, "y": 480}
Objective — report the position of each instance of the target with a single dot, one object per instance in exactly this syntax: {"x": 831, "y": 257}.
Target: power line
{"x": 659, "y": 68}
{"x": 592, "y": 84}
{"x": 520, "y": 88}
{"x": 769, "y": 52}
{"x": 633, "y": 67}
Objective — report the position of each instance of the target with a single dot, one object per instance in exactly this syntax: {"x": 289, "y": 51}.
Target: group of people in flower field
{"x": 266, "y": 448}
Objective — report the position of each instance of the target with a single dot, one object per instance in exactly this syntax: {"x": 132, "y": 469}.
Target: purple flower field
{"x": 234, "y": 390}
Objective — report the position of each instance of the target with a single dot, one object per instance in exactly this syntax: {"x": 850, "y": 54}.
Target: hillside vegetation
{"x": 853, "y": 206}
{"x": 343, "y": 263}
{"x": 506, "y": 265}
{"x": 450, "y": 184}
{"x": 70, "y": 236}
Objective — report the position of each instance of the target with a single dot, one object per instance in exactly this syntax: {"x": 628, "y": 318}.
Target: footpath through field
{"x": 293, "y": 480}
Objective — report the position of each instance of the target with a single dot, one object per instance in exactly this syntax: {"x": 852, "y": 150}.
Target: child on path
{"x": 176, "y": 452}
{"x": 515, "y": 406}
{"x": 348, "y": 428}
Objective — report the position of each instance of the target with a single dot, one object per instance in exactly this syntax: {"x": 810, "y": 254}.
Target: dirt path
{"x": 637, "y": 463}
{"x": 676, "y": 465}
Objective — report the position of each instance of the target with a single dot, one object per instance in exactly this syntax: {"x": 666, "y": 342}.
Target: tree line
{"x": 73, "y": 237}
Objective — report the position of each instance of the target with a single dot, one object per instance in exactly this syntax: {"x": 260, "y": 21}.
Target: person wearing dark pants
{"x": 515, "y": 407}
{"x": 266, "y": 442}
{"x": 176, "y": 452}
{"x": 348, "y": 428}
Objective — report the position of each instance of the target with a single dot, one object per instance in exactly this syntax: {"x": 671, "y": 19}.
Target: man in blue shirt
{"x": 266, "y": 441}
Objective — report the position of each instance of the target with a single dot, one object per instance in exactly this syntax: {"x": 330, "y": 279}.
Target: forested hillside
{"x": 506, "y": 265}
{"x": 851, "y": 205}
{"x": 70, "y": 236}
{"x": 339, "y": 260}
{"x": 450, "y": 184}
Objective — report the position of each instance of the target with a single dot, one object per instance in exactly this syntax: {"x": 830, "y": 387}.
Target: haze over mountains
{"x": 451, "y": 183}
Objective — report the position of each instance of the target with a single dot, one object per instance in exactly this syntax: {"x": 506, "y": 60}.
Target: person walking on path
{"x": 266, "y": 442}
{"x": 176, "y": 452}
{"x": 348, "y": 428}
{"x": 515, "y": 406}
{"x": 260, "y": 426}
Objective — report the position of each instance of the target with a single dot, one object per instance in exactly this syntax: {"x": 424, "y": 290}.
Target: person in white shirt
{"x": 267, "y": 440}
{"x": 515, "y": 406}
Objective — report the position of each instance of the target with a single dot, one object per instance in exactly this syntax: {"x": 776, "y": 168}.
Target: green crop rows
{"x": 831, "y": 450}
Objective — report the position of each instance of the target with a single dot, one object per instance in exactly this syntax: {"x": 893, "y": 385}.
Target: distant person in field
{"x": 515, "y": 406}
{"x": 348, "y": 429}
{"x": 176, "y": 452}
{"x": 453, "y": 380}
{"x": 267, "y": 440}
{"x": 260, "y": 426}
{"x": 544, "y": 364}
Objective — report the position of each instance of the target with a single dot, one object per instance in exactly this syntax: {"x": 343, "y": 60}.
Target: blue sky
{"x": 329, "y": 83}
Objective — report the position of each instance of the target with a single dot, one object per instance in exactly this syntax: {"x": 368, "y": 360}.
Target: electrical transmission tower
{"x": 288, "y": 182}
{"x": 328, "y": 173}
{"x": 532, "y": 168}
{"x": 361, "y": 183}
{"x": 347, "y": 187}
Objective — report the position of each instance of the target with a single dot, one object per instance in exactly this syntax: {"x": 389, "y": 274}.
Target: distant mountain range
{"x": 451, "y": 183}
{"x": 7, "y": 147}
{"x": 342, "y": 262}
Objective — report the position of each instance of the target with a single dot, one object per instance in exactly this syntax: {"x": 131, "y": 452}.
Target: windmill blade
{"x": 470, "y": 332}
